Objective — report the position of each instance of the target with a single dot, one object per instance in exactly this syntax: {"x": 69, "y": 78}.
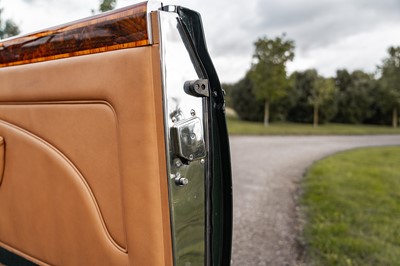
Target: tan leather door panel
{"x": 86, "y": 134}
{"x": 85, "y": 175}
{"x": 51, "y": 204}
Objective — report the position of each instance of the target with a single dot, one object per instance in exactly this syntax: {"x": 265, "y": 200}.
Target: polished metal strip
{"x": 187, "y": 197}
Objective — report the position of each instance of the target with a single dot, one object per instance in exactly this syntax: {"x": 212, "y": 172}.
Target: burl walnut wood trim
{"x": 119, "y": 29}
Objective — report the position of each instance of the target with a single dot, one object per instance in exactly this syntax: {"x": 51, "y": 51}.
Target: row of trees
{"x": 268, "y": 93}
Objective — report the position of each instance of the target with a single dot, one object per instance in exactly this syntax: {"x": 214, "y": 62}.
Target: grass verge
{"x": 351, "y": 203}
{"x": 239, "y": 127}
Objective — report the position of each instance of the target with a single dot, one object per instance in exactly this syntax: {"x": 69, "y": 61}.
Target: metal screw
{"x": 192, "y": 112}
{"x": 191, "y": 157}
{"x": 193, "y": 136}
{"x": 202, "y": 161}
{"x": 180, "y": 180}
{"x": 178, "y": 163}
{"x": 183, "y": 181}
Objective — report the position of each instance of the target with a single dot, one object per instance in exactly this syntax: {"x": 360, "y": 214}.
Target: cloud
{"x": 33, "y": 15}
{"x": 315, "y": 24}
{"x": 328, "y": 34}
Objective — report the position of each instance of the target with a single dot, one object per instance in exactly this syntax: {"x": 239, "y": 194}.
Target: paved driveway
{"x": 266, "y": 171}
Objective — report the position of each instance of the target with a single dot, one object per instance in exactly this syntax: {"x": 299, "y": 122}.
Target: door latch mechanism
{"x": 189, "y": 140}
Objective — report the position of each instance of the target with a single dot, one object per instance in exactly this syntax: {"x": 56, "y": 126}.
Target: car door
{"x": 114, "y": 149}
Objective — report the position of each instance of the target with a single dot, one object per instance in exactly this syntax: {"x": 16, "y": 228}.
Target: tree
{"x": 106, "y": 5}
{"x": 321, "y": 91}
{"x": 8, "y": 28}
{"x": 390, "y": 82}
{"x": 381, "y": 113}
{"x": 244, "y": 101}
{"x": 354, "y": 96}
{"x": 301, "y": 110}
{"x": 268, "y": 73}
{"x": 342, "y": 80}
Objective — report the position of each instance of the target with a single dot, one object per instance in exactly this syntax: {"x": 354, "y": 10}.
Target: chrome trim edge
{"x": 187, "y": 202}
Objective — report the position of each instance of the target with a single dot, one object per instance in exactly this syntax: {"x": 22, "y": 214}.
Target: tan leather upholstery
{"x": 85, "y": 173}
{"x": 91, "y": 144}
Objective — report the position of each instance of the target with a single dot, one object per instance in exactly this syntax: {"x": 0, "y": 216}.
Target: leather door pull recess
{"x": 2, "y": 157}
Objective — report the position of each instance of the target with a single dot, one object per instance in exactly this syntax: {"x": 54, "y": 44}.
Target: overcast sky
{"x": 329, "y": 34}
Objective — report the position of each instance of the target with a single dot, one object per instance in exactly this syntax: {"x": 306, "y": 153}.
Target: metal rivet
{"x": 202, "y": 161}
{"x": 191, "y": 157}
{"x": 193, "y": 136}
{"x": 192, "y": 112}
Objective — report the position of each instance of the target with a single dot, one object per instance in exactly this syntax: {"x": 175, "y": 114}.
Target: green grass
{"x": 351, "y": 203}
{"x": 239, "y": 127}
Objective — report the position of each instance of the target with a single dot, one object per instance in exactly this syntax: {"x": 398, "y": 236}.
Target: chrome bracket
{"x": 197, "y": 88}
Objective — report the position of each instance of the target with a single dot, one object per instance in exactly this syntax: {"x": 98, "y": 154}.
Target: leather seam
{"x": 82, "y": 179}
{"x": 120, "y": 174}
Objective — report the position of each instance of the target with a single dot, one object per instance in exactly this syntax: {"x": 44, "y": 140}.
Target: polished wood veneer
{"x": 123, "y": 28}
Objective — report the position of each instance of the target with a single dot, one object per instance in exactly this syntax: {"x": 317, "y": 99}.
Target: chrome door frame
{"x": 184, "y": 57}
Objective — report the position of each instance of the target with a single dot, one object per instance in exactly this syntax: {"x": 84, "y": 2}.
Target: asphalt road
{"x": 266, "y": 174}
